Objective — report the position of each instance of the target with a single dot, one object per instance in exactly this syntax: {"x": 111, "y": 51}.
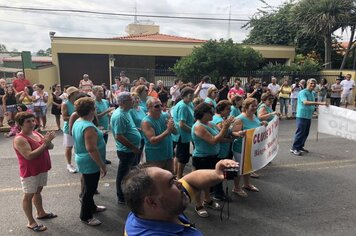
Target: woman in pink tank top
{"x": 34, "y": 161}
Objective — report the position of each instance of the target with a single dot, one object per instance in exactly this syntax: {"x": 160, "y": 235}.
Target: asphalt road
{"x": 308, "y": 195}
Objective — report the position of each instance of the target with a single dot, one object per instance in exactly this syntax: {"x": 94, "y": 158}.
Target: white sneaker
{"x": 71, "y": 169}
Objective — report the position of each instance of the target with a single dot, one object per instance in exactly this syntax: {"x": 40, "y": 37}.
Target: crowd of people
{"x": 150, "y": 128}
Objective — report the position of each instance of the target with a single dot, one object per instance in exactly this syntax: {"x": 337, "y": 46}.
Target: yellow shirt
{"x": 285, "y": 91}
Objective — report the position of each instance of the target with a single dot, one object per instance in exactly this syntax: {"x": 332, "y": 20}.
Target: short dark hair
{"x": 84, "y": 105}
{"x": 201, "y": 109}
{"x": 235, "y": 99}
{"x": 176, "y": 81}
{"x": 137, "y": 185}
{"x": 222, "y": 106}
{"x": 41, "y": 86}
{"x": 186, "y": 91}
{"x": 266, "y": 96}
{"x": 20, "y": 117}
{"x": 206, "y": 78}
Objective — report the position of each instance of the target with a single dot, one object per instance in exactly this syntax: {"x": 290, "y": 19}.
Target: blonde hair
{"x": 247, "y": 103}
{"x": 211, "y": 90}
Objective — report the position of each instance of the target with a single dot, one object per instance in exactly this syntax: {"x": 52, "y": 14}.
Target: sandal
{"x": 251, "y": 188}
{"x": 212, "y": 204}
{"x": 47, "y": 216}
{"x": 92, "y": 222}
{"x": 240, "y": 193}
{"x": 201, "y": 212}
{"x": 254, "y": 175}
{"x": 100, "y": 209}
{"x": 37, "y": 228}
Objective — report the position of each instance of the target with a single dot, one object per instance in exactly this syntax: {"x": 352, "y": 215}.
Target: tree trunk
{"x": 354, "y": 55}
{"x": 348, "y": 48}
{"x": 327, "y": 58}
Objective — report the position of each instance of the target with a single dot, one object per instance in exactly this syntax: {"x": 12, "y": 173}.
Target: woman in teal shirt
{"x": 206, "y": 137}
{"x": 264, "y": 110}
{"x": 90, "y": 152}
{"x": 236, "y": 102}
{"x": 246, "y": 120}
{"x": 157, "y": 128}
{"x": 142, "y": 92}
{"x": 211, "y": 96}
{"x": 137, "y": 114}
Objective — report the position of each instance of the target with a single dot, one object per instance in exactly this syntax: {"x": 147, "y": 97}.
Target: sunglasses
{"x": 157, "y": 106}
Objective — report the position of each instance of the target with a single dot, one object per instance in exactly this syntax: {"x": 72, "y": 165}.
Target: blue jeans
{"x": 301, "y": 135}
{"x": 294, "y": 102}
{"x": 127, "y": 161}
{"x": 283, "y": 103}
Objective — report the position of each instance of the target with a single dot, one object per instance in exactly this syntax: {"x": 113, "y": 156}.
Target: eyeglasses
{"x": 157, "y": 106}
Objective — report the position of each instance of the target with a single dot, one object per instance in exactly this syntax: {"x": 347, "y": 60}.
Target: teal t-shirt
{"x": 183, "y": 112}
{"x": 123, "y": 124}
{"x": 268, "y": 109}
{"x": 101, "y": 107}
{"x": 235, "y": 111}
{"x": 246, "y": 124}
{"x": 201, "y": 147}
{"x": 210, "y": 101}
{"x": 70, "y": 109}
{"x": 164, "y": 149}
{"x": 137, "y": 116}
{"x": 305, "y": 111}
{"x": 224, "y": 147}
{"x": 85, "y": 164}
{"x": 143, "y": 105}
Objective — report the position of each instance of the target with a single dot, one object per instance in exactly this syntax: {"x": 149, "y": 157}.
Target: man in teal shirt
{"x": 128, "y": 140}
{"x": 305, "y": 108}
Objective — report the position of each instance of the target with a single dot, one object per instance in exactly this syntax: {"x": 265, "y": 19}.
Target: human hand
{"x": 103, "y": 171}
{"x": 241, "y": 133}
{"x": 136, "y": 151}
{"x": 170, "y": 125}
{"x": 227, "y": 123}
{"x": 225, "y": 164}
{"x": 264, "y": 123}
{"x": 48, "y": 137}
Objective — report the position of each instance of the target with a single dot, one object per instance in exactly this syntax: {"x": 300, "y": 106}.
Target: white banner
{"x": 337, "y": 121}
{"x": 260, "y": 146}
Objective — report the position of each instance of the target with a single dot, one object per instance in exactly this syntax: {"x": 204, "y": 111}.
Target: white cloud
{"x": 25, "y": 30}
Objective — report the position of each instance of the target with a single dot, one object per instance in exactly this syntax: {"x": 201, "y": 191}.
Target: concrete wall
{"x": 46, "y": 76}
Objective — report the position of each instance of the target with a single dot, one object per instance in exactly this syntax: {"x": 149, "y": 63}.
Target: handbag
{"x": 37, "y": 109}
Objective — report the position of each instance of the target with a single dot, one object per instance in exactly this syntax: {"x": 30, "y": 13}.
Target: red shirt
{"x": 20, "y": 84}
{"x": 234, "y": 91}
{"x": 40, "y": 164}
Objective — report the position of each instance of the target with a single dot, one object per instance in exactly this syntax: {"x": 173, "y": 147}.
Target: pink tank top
{"x": 40, "y": 164}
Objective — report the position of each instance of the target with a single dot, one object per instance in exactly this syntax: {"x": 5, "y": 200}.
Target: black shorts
{"x": 208, "y": 162}
{"x": 183, "y": 152}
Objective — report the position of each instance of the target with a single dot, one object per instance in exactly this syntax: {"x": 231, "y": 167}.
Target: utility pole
{"x": 229, "y": 24}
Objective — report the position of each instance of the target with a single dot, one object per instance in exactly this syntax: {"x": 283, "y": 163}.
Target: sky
{"x": 29, "y": 30}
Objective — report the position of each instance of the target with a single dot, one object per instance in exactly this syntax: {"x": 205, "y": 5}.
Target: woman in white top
{"x": 296, "y": 88}
{"x": 40, "y": 99}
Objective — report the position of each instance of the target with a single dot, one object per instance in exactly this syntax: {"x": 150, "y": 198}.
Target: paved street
{"x": 309, "y": 195}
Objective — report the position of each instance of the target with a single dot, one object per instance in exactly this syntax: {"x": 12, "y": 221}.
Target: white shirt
{"x": 175, "y": 93}
{"x": 40, "y": 101}
{"x": 274, "y": 88}
{"x": 204, "y": 90}
{"x": 347, "y": 86}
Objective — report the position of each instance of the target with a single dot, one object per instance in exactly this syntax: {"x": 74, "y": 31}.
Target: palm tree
{"x": 323, "y": 18}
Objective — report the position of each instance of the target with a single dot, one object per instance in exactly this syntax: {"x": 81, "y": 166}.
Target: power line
{"x": 121, "y": 14}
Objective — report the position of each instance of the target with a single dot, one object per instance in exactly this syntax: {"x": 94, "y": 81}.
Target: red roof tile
{"x": 161, "y": 38}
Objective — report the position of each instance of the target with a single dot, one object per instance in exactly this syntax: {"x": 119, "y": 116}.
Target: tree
{"x": 43, "y": 52}
{"x": 271, "y": 26}
{"x": 218, "y": 58}
{"x": 3, "y": 48}
{"x": 322, "y": 18}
